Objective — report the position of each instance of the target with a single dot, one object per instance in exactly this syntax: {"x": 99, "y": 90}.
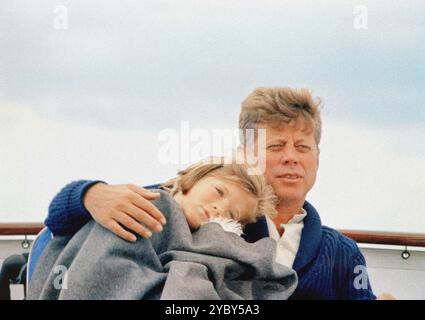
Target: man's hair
{"x": 234, "y": 172}
{"x": 277, "y": 106}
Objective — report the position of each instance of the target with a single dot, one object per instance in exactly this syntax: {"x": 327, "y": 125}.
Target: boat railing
{"x": 360, "y": 236}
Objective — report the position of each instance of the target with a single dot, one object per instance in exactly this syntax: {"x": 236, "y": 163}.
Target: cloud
{"x": 140, "y": 59}
{"x": 40, "y": 156}
{"x": 371, "y": 178}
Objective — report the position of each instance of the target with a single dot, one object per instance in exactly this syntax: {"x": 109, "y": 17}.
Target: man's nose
{"x": 290, "y": 156}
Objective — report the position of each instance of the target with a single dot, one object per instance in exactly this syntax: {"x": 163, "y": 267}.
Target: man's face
{"x": 292, "y": 160}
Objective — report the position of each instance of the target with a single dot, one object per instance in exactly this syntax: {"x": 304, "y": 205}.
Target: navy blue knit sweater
{"x": 329, "y": 265}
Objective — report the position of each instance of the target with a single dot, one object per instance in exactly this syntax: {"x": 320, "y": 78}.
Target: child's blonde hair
{"x": 233, "y": 172}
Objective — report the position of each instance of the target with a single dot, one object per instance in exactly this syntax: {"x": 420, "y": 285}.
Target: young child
{"x": 212, "y": 190}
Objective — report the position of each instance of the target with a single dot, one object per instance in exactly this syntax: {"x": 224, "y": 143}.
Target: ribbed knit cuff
{"x": 76, "y": 196}
{"x": 67, "y": 213}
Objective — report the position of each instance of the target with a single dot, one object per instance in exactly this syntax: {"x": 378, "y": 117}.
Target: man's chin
{"x": 290, "y": 198}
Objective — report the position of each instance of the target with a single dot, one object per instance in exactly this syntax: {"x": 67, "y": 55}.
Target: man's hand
{"x": 115, "y": 206}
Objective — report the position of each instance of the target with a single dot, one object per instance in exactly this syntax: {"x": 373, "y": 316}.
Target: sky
{"x": 88, "y": 99}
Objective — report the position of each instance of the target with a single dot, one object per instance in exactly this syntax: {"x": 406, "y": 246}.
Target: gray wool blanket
{"x": 209, "y": 263}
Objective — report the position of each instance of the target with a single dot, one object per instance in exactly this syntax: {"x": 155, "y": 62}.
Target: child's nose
{"x": 215, "y": 210}
{"x": 219, "y": 208}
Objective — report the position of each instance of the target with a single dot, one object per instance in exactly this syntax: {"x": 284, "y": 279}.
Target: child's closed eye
{"x": 219, "y": 191}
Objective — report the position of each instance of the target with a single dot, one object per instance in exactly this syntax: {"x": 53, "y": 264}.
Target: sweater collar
{"x": 310, "y": 237}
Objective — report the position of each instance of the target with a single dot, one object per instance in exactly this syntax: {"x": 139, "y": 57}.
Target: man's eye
{"x": 274, "y": 147}
{"x": 303, "y": 148}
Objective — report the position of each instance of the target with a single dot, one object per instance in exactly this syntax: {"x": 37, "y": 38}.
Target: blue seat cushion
{"x": 38, "y": 247}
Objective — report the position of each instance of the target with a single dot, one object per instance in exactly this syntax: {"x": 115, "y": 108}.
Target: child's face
{"x": 213, "y": 197}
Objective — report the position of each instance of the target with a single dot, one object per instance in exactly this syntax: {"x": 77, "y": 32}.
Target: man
{"x": 326, "y": 262}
